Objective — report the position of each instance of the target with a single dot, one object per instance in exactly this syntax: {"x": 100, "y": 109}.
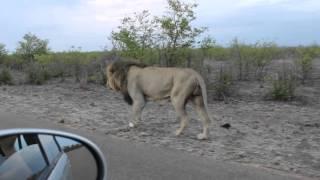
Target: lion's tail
{"x": 203, "y": 87}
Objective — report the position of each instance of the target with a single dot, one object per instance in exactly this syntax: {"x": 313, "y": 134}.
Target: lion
{"x": 139, "y": 83}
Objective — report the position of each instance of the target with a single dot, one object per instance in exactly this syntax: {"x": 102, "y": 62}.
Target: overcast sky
{"x": 88, "y": 23}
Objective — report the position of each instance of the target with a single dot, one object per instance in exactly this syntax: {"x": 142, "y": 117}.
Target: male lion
{"x": 138, "y": 83}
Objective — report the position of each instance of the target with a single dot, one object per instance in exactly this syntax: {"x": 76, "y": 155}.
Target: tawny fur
{"x": 139, "y": 83}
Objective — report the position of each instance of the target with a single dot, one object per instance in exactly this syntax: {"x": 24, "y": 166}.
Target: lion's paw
{"x": 178, "y": 132}
{"x": 202, "y": 136}
{"x": 132, "y": 125}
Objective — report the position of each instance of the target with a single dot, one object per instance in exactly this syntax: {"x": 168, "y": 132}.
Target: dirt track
{"x": 269, "y": 134}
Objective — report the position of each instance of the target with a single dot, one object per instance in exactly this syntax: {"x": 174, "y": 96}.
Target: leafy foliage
{"x": 37, "y": 74}
{"x": 3, "y": 53}
{"x": 284, "y": 85}
{"x": 243, "y": 56}
{"x": 176, "y": 30}
{"x": 6, "y": 77}
{"x": 31, "y": 46}
{"x": 141, "y": 36}
{"x": 253, "y": 58}
{"x": 135, "y": 35}
{"x": 222, "y": 85}
{"x": 305, "y": 59}
{"x": 206, "y": 44}
{"x": 264, "y": 53}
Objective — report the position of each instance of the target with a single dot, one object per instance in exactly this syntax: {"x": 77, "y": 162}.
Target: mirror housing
{"x": 7, "y": 135}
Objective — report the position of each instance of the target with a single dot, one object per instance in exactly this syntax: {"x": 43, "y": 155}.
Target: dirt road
{"x": 263, "y": 133}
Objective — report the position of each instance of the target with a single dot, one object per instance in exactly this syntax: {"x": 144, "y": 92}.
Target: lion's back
{"x": 168, "y": 71}
{"x": 158, "y": 82}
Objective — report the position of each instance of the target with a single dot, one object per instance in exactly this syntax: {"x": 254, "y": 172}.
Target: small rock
{"x": 277, "y": 160}
{"x": 292, "y": 169}
{"x": 211, "y": 150}
{"x": 255, "y": 126}
{"x": 93, "y": 104}
{"x": 144, "y": 134}
{"x": 62, "y": 121}
{"x": 201, "y": 153}
{"x": 316, "y": 125}
{"x": 242, "y": 154}
{"x": 226, "y": 125}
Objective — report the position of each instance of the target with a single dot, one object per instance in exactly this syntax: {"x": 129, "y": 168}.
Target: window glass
{"x": 67, "y": 144}
{"x": 26, "y": 163}
{"x": 20, "y": 145}
{"x": 50, "y": 147}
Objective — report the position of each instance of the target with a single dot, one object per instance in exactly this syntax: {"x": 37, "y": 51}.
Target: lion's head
{"x": 117, "y": 75}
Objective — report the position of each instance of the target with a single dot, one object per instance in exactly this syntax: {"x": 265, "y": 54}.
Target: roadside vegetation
{"x": 169, "y": 40}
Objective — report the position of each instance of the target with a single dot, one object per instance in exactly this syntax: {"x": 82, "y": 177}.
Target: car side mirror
{"x": 49, "y": 154}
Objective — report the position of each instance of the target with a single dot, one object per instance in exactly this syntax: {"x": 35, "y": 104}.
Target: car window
{"x": 20, "y": 143}
{"x": 27, "y": 163}
{"x": 50, "y": 147}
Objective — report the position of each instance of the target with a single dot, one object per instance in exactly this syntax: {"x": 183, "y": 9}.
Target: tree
{"x": 3, "y": 52}
{"x": 172, "y": 34}
{"x": 31, "y": 45}
{"x": 206, "y": 44}
{"x": 176, "y": 29}
{"x": 239, "y": 52}
{"x": 135, "y": 35}
{"x": 304, "y": 63}
{"x": 264, "y": 53}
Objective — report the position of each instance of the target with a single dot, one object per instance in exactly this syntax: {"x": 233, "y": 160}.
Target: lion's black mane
{"x": 120, "y": 70}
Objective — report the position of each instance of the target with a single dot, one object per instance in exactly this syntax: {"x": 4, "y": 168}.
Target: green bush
{"x": 6, "y": 77}
{"x": 304, "y": 64}
{"x": 37, "y": 74}
{"x": 219, "y": 53}
{"x": 96, "y": 72}
{"x": 222, "y": 85}
{"x": 263, "y": 54}
{"x": 3, "y": 53}
{"x": 13, "y": 61}
{"x": 283, "y": 86}
{"x": 243, "y": 56}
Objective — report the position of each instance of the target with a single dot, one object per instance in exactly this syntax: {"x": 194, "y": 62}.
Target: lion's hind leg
{"x": 202, "y": 112}
{"x": 179, "y": 106}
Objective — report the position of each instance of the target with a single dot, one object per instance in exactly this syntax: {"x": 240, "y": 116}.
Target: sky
{"x": 88, "y": 23}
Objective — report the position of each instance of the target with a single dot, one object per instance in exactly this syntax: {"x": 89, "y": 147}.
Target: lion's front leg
{"x": 137, "y": 107}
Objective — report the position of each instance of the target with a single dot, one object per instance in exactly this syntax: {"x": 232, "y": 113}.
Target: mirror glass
{"x": 41, "y": 156}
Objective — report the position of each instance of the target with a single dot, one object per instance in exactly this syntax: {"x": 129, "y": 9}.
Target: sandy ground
{"x": 277, "y": 135}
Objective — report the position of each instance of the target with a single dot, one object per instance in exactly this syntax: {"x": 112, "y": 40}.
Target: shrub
{"x": 6, "y": 77}
{"x": 243, "y": 56}
{"x": 57, "y": 69}
{"x": 263, "y": 53}
{"x": 222, "y": 85}
{"x": 283, "y": 86}
{"x": 96, "y": 72}
{"x": 219, "y": 53}
{"x": 13, "y": 61}
{"x": 37, "y": 74}
{"x": 304, "y": 63}
{"x": 3, "y": 53}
